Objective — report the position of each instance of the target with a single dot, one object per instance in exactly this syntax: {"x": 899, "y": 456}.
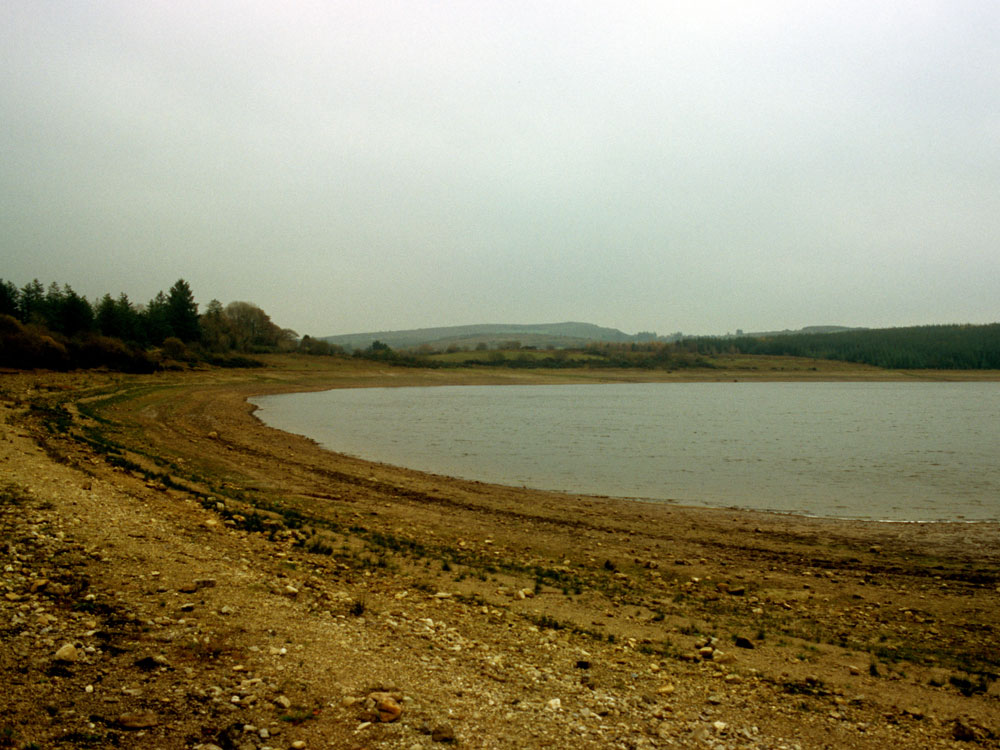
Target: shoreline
{"x": 507, "y": 617}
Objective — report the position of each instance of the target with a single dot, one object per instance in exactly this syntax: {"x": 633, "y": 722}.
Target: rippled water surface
{"x": 898, "y": 451}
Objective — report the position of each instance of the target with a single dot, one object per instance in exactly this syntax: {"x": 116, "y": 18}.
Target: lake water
{"x": 892, "y": 451}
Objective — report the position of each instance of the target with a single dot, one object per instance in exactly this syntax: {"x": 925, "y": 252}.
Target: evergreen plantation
{"x": 933, "y": 347}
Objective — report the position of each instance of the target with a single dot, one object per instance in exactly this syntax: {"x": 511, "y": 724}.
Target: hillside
{"x": 542, "y": 335}
{"x": 539, "y": 335}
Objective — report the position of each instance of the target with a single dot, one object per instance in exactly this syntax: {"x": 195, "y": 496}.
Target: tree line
{"x": 933, "y": 347}
{"x": 54, "y": 327}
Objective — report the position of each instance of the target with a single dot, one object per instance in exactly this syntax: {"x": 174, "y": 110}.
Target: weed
{"x": 254, "y": 521}
{"x": 545, "y": 621}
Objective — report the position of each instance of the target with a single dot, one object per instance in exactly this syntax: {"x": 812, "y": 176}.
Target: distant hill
{"x": 542, "y": 335}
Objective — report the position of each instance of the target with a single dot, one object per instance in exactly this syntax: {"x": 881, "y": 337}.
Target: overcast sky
{"x": 355, "y": 166}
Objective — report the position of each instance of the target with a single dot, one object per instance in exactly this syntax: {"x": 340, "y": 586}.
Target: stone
{"x": 554, "y": 705}
{"x": 283, "y": 701}
{"x": 742, "y": 642}
{"x": 443, "y": 733}
{"x": 68, "y": 653}
{"x": 965, "y": 730}
{"x": 384, "y": 706}
{"x": 149, "y": 663}
{"x": 138, "y": 720}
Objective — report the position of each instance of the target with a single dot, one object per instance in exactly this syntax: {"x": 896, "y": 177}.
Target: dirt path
{"x": 221, "y": 584}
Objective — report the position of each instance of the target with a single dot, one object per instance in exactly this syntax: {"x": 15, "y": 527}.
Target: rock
{"x": 742, "y": 642}
{"x": 443, "y": 733}
{"x": 291, "y": 591}
{"x": 283, "y": 701}
{"x": 138, "y": 720}
{"x": 966, "y": 730}
{"x": 383, "y": 706}
{"x": 67, "y": 653}
{"x": 149, "y": 663}
{"x": 554, "y": 705}
{"x": 298, "y": 745}
{"x": 706, "y": 652}
{"x": 204, "y": 583}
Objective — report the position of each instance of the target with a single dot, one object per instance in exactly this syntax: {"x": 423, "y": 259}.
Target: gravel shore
{"x": 177, "y": 575}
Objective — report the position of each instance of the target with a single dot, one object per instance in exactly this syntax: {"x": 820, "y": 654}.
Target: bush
{"x": 28, "y": 347}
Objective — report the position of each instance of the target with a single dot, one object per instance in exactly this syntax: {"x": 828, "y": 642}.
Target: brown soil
{"x": 222, "y": 584}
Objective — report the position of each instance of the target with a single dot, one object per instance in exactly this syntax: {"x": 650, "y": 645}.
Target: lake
{"x": 884, "y": 451}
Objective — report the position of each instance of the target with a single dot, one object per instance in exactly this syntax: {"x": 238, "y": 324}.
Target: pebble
{"x": 138, "y": 720}
{"x": 443, "y": 733}
{"x": 67, "y": 653}
{"x": 384, "y": 706}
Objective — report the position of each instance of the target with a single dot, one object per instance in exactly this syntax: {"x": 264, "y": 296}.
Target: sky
{"x": 650, "y": 166}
